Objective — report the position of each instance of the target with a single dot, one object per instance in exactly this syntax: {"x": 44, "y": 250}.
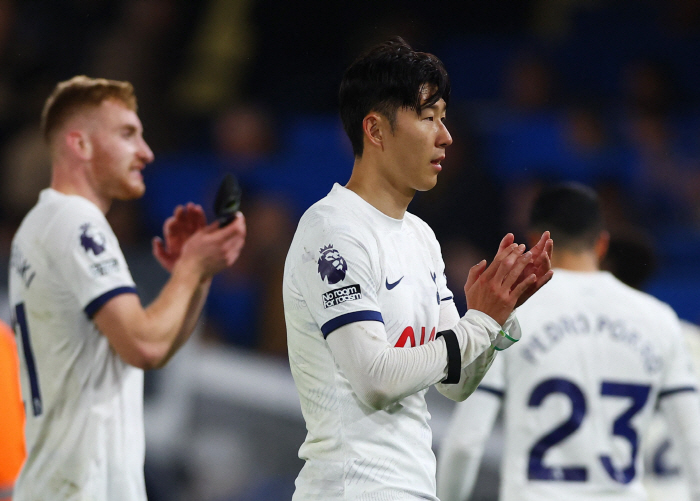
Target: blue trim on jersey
{"x": 673, "y": 391}
{"x": 448, "y": 298}
{"x": 348, "y": 318}
{"x": 489, "y": 389}
{"x": 99, "y": 302}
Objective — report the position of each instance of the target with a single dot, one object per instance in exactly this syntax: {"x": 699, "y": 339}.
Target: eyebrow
{"x": 434, "y": 106}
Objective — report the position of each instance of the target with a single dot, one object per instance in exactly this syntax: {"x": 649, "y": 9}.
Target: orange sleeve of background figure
{"x": 11, "y": 414}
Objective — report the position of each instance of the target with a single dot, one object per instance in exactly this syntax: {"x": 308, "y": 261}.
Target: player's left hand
{"x": 177, "y": 229}
{"x": 540, "y": 265}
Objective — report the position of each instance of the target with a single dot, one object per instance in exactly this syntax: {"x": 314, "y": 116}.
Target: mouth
{"x": 436, "y": 162}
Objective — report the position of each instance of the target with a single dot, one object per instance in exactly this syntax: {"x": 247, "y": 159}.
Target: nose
{"x": 145, "y": 152}
{"x": 444, "y": 139}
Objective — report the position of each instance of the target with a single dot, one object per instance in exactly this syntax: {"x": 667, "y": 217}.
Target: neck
{"x": 72, "y": 181}
{"x": 378, "y": 190}
{"x": 575, "y": 261}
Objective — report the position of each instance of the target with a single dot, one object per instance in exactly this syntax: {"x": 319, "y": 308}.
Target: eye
{"x": 429, "y": 118}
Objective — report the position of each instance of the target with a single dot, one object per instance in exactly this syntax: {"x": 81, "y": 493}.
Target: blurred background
{"x": 602, "y": 92}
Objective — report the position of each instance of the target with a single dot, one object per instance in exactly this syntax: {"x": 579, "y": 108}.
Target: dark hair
{"x": 571, "y": 212}
{"x": 389, "y": 76}
{"x": 79, "y": 92}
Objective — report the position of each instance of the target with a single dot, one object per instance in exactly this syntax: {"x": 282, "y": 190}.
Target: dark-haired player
{"x": 84, "y": 336}
{"x": 371, "y": 323}
{"x": 579, "y": 391}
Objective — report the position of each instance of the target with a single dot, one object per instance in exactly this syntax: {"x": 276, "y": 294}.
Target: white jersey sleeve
{"x": 344, "y": 257}
{"x": 92, "y": 261}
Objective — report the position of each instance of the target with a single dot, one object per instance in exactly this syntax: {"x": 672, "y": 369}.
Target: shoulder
{"x": 643, "y": 301}
{"x": 328, "y": 220}
{"x": 59, "y": 212}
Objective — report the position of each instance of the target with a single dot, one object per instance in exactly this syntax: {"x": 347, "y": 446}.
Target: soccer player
{"x": 11, "y": 414}
{"x": 85, "y": 337}
{"x": 579, "y": 391}
{"x": 371, "y": 323}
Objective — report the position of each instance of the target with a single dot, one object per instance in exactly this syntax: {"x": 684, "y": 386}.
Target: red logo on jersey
{"x": 408, "y": 334}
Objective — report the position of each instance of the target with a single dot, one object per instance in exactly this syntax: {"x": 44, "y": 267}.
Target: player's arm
{"x": 381, "y": 374}
{"x": 462, "y": 446}
{"x": 681, "y": 409}
{"x": 148, "y": 337}
{"x": 472, "y": 374}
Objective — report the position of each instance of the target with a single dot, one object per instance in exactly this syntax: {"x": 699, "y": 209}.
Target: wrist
{"x": 190, "y": 271}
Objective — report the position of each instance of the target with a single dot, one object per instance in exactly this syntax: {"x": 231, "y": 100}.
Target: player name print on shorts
{"x": 331, "y": 265}
{"x": 337, "y": 296}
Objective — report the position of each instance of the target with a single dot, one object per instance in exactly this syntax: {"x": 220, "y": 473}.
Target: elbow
{"x": 376, "y": 398}
{"x": 144, "y": 357}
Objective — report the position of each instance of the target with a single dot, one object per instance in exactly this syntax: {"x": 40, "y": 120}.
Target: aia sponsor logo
{"x": 409, "y": 336}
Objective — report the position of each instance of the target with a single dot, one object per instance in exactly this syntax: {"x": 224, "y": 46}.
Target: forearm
{"x": 683, "y": 418}
{"x": 379, "y": 373}
{"x": 171, "y": 317}
{"x": 474, "y": 370}
{"x": 146, "y": 338}
{"x": 190, "y": 320}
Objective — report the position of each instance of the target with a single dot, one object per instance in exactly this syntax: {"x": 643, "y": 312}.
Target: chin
{"x": 428, "y": 185}
{"x": 131, "y": 192}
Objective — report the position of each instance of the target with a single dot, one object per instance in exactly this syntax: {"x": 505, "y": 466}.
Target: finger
{"x": 523, "y": 286}
{"x": 500, "y": 256}
{"x": 237, "y": 226}
{"x": 474, "y": 274}
{"x": 168, "y": 225}
{"x": 179, "y": 211}
{"x": 158, "y": 249}
{"x": 200, "y": 218}
{"x": 545, "y": 278}
{"x": 507, "y": 263}
{"x": 506, "y": 241}
{"x": 517, "y": 269}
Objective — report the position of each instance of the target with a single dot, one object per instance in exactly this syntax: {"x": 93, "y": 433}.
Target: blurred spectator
{"x": 666, "y": 181}
{"x": 244, "y": 306}
{"x": 11, "y": 414}
{"x": 144, "y": 46}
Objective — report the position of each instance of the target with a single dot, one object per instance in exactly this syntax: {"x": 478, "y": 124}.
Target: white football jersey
{"x": 84, "y": 405}
{"x": 349, "y": 262}
{"x": 664, "y": 477}
{"x": 580, "y": 388}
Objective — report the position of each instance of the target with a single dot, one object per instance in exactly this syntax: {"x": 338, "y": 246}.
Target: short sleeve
{"x": 338, "y": 275}
{"x": 90, "y": 259}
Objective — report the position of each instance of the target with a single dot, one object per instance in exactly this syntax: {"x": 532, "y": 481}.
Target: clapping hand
{"x": 179, "y": 227}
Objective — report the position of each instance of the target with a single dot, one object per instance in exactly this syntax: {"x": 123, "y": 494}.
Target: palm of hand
{"x": 177, "y": 230}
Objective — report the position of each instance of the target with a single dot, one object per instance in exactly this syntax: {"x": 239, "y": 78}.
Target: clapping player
{"x": 85, "y": 337}
{"x": 371, "y": 323}
{"x": 579, "y": 391}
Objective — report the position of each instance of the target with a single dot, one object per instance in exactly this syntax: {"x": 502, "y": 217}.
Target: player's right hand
{"x": 495, "y": 289}
{"x": 213, "y": 248}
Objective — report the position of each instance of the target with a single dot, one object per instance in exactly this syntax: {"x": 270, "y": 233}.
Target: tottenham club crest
{"x": 331, "y": 265}
{"x": 92, "y": 240}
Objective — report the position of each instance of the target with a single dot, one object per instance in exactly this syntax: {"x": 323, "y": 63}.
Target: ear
{"x": 372, "y": 126}
{"x": 79, "y": 144}
{"x": 602, "y": 244}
